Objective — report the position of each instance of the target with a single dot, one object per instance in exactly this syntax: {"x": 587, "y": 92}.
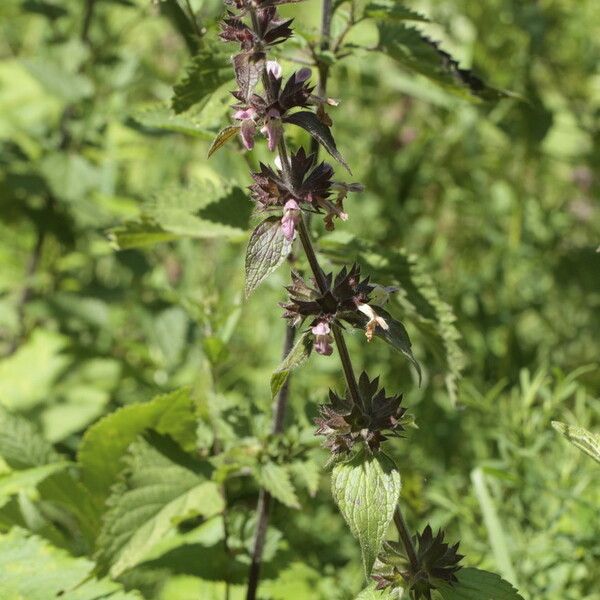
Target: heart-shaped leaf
{"x": 267, "y": 249}
{"x": 366, "y": 490}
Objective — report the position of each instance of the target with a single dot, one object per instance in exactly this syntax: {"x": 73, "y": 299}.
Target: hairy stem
{"x": 406, "y": 539}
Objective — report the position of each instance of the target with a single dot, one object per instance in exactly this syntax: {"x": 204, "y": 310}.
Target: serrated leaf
{"x": 307, "y": 472}
{"x": 222, "y": 138}
{"x": 416, "y": 52}
{"x": 267, "y": 249}
{"x": 581, "y": 438}
{"x": 366, "y": 490}
{"x": 276, "y": 480}
{"x": 106, "y": 441}
{"x": 319, "y": 131}
{"x": 26, "y": 480}
{"x": 159, "y": 488}
{"x": 209, "y": 210}
{"x": 207, "y": 72}
{"x": 296, "y": 358}
{"x": 21, "y": 444}
{"x": 161, "y": 118}
{"x": 394, "y": 10}
{"x": 33, "y": 569}
{"x": 475, "y": 584}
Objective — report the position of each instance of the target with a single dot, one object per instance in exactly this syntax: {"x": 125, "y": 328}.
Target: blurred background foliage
{"x": 490, "y": 208}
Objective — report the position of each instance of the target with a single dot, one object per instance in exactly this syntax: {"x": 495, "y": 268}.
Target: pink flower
{"x": 274, "y": 69}
{"x": 374, "y": 320}
{"x": 291, "y": 216}
{"x": 272, "y": 129}
{"x": 323, "y": 339}
{"x": 247, "y": 126}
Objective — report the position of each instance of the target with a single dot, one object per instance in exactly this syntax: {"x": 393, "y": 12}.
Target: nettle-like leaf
{"x": 206, "y": 210}
{"x": 475, "y": 584}
{"x": 107, "y": 441}
{"x": 208, "y": 71}
{"x": 160, "y": 487}
{"x": 366, "y": 490}
{"x": 267, "y": 249}
{"x": 298, "y": 355}
{"x": 161, "y": 118}
{"x": 371, "y": 593}
{"x": 581, "y": 438}
{"x": 21, "y": 444}
{"x": 319, "y": 131}
{"x": 33, "y": 569}
{"x": 226, "y": 134}
{"x": 276, "y": 480}
{"x": 416, "y": 52}
{"x": 27, "y": 480}
{"x": 249, "y": 67}
{"x": 393, "y": 10}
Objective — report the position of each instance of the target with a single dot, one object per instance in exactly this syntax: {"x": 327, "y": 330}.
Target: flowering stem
{"x": 406, "y": 539}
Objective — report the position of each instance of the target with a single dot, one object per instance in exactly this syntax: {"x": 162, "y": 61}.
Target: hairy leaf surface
{"x": 475, "y": 584}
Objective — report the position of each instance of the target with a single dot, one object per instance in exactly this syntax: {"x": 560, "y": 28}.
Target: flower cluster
{"x": 343, "y": 299}
{"x": 345, "y": 423}
{"x": 311, "y": 188}
{"x": 437, "y": 563}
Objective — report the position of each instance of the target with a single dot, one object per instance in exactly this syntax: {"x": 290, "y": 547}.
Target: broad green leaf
{"x": 267, "y": 249}
{"x": 70, "y": 176}
{"x": 159, "y": 488}
{"x": 581, "y": 438}
{"x": 222, "y": 138}
{"x": 296, "y": 358}
{"x": 27, "y": 480}
{"x": 21, "y": 387}
{"x": 366, "y": 490}
{"x": 61, "y": 83}
{"x": 187, "y": 587}
{"x": 21, "y": 444}
{"x": 160, "y": 117}
{"x": 308, "y": 473}
{"x": 276, "y": 480}
{"x": 206, "y": 210}
{"x": 393, "y": 10}
{"x": 475, "y": 584}
{"x": 319, "y": 131}
{"x": 414, "y": 51}
{"x": 207, "y": 72}
{"x": 495, "y": 529}
{"x": 33, "y": 569}
{"x": 106, "y": 441}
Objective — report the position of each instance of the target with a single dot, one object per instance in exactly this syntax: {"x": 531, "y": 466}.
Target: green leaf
{"x": 58, "y": 81}
{"x": 475, "y": 584}
{"x": 33, "y": 569}
{"x": 366, "y": 490}
{"x": 414, "y": 51}
{"x": 276, "y": 480}
{"x": 27, "y": 480}
{"x": 319, "y": 131}
{"x": 495, "y": 529}
{"x": 21, "y": 444}
{"x": 106, "y": 441}
{"x": 581, "y": 438}
{"x": 21, "y": 387}
{"x": 206, "y": 210}
{"x": 296, "y": 358}
{"x": 161, "y": 118}
{"x": 159, "y": 488}
{"x": 267, "y": 249}
{"x": 222, "y": 138}
{"x": 393, "y": 10}
{"x": 207, "y": 72}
